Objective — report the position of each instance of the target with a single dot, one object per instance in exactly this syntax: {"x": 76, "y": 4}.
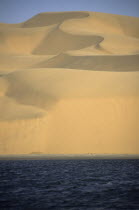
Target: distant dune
{"x": 69, "y": 84}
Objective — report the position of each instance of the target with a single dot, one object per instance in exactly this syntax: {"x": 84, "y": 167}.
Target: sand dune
{"x": 69, "y": 84}
{"x": 46, "y": 18}
{"x": 58, "y": 41}
{"x": 19, "y": 41}
{"x": 98, "y": 63}
{"x": 19, "y": 62}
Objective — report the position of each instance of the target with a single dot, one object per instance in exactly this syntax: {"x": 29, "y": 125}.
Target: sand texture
{"x": 69, "y": 84}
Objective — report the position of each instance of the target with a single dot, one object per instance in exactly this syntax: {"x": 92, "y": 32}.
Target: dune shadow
{"x": 46, "y": 19}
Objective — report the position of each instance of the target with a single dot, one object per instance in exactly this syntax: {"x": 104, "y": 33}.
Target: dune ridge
{"x": 69, "y": 84}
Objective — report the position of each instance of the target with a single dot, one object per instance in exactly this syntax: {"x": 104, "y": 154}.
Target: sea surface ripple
{"x": 94, "y": 184}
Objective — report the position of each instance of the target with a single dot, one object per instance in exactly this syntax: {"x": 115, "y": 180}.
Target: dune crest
{"x": 69, "y": 84}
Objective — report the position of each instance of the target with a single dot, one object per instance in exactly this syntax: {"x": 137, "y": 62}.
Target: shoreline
{"x": 67, "y": 156}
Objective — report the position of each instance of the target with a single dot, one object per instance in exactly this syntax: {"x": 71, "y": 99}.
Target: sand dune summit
{"x": 69, "y": 84}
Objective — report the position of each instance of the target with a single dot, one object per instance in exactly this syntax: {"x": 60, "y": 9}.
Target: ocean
{"x": 72, "y": 184}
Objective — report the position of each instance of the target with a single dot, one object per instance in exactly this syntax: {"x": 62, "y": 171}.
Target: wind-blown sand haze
{"x": 69, "y": 84}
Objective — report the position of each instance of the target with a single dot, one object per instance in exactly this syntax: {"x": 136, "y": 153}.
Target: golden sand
{"x": 69, "y": 84}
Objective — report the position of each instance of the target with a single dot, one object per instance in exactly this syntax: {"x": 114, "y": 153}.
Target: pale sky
{"x": 14, "y": 11}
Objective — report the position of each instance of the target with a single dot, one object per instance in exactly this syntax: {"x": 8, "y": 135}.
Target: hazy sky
{"x": 13, "y": 11}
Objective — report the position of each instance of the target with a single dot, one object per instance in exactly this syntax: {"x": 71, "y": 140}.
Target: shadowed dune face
{"x": 99, "y": 63}
{"x": 69, "y": 83}
{"x": 58, "y": 41}
{"x": 46, "y": 19}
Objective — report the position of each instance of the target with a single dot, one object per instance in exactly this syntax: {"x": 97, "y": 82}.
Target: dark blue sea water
{"x": 69, "y": 184}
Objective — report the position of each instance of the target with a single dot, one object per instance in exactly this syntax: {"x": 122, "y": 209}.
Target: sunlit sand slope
{"x": 69, "y": 84}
